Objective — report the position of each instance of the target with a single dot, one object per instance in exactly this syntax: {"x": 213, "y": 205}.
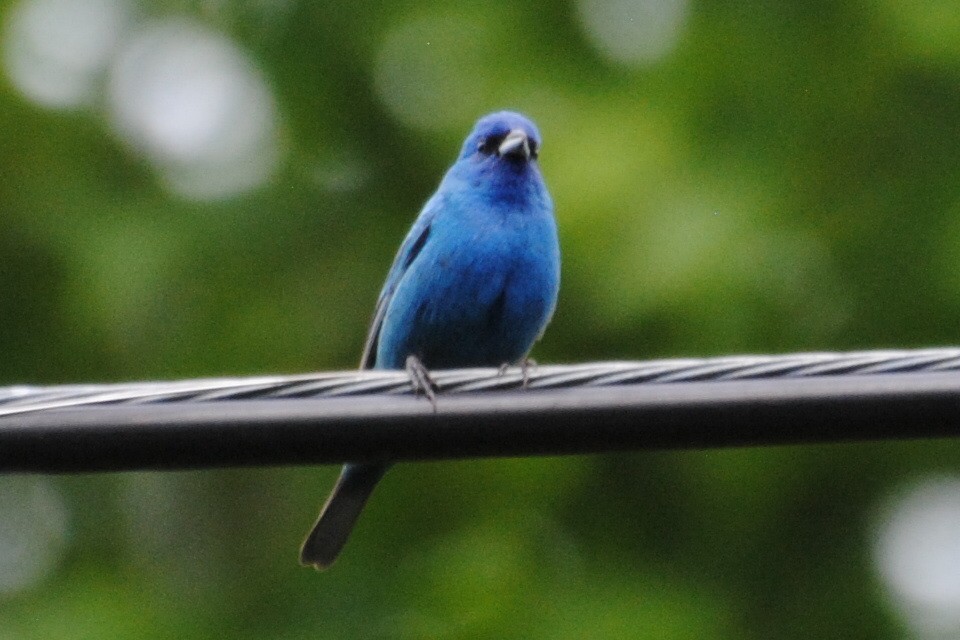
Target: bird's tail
{"x": 340, "y": 513}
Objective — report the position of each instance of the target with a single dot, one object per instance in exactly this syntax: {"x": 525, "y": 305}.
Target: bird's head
{"x": 498, "y": 162}
{"x": 503, "y": 139}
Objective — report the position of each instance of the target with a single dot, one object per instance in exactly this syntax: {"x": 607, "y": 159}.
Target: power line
{"x": 589, "y": 408}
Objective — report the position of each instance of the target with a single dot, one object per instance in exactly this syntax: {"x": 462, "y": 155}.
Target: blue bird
{"x": 474, "y": 284}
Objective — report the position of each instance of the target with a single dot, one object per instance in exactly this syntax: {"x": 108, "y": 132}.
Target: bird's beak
{"x": 516, "y": 144}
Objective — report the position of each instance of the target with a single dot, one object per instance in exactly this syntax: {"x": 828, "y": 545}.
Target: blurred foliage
{"x": 786, "y": 177}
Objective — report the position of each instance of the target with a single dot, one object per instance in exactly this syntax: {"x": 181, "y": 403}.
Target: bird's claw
{"x": 526, "y": 366}
{"x": 420, "y": 380}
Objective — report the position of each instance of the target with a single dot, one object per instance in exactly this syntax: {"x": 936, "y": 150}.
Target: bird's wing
{"x": 412, "y": 246}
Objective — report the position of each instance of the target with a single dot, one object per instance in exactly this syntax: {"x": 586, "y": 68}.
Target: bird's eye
{"x": 534, "y": 149}
{"x": 490, "y": 144}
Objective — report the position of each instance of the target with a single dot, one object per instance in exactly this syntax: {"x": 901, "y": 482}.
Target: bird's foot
{"x": 526, "y": 366}
{"x": 421, "y": 381}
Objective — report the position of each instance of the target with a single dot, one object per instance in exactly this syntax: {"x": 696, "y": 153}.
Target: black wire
{"x": 305, "y": 419}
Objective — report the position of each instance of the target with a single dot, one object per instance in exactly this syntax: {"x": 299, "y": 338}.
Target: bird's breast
{"x": 479, "y": 293}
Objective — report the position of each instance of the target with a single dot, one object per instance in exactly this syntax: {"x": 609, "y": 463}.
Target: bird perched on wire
{"x": 474, "y": 284}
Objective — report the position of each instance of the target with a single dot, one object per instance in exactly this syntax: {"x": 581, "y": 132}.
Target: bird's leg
{"x": 420, "y": 379}
{"x": 526, "y": 365}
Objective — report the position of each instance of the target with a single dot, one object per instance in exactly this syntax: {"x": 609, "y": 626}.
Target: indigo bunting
{"x": 474, "y": 284}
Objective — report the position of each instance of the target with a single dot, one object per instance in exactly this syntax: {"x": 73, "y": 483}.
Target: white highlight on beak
{"x": 516, "y": 143}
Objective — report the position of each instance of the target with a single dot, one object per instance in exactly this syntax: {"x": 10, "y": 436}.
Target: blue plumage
{"x": 474, "y": 284}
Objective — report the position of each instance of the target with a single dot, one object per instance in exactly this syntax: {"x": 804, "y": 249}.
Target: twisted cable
{"x": 564, "y": 409}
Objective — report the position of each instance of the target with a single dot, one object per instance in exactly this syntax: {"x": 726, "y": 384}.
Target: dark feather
{"x": 405, "y": 257}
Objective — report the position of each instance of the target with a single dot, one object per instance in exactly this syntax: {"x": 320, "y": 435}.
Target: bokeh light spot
{"x": 194, "y": 104}
{"x": 55, "y": 50}
{"x": 917, "y": 553}
{"x": 33, "y": 529}
{"x": 633, "y": 31}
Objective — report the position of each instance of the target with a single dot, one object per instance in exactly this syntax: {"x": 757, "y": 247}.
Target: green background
{"x": 785, "y": 177}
